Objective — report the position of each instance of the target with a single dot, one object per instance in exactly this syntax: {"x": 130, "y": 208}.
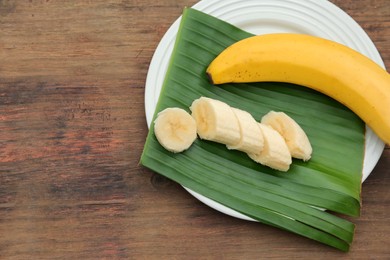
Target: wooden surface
{"x": 72, "y": 129}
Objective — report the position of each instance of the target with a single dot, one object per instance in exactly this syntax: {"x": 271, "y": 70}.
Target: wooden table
{"x": 72, "y": 128}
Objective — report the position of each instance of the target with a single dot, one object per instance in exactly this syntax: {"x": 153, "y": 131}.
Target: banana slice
{"x": 215, "y": 121}
{"x": 175, "y": 129}
{"x": 251, "y": 140}
{"x": 275, "y": 153}
{"x": 296, "y": 139}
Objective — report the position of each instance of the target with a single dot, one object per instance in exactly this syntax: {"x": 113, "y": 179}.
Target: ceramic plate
{"x": 315, "y": 17}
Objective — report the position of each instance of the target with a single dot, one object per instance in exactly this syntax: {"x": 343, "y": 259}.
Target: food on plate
{"x": 323, "y": 65}
{"x": 175, "y": 129}
{"x": 296, "y": 139}
{"x": 304, "y": 200}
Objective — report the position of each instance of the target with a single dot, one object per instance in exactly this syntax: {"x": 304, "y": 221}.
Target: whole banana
{"x": 323, "y": 65}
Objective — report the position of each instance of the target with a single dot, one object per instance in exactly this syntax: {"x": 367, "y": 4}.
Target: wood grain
{"x": 72, "y": 128}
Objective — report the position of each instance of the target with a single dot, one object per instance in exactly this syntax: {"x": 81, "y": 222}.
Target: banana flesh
{"x": 296, "y": 139}
{"x": 275, "y": 153}
{"x": 326, "y": 66}
{"x": 251, "y": 137}
{"x": 215, "y": 121}
{"x": 175, "y": 129}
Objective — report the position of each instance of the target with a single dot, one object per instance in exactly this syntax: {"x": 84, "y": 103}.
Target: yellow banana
{"x": 326, "y": 66}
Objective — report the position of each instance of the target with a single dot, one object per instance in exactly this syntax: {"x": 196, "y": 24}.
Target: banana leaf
{"x": 301, "y": 200}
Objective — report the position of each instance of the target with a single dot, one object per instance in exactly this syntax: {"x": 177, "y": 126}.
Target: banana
{"x": 251, "y": 140}
{"x": 215, "y": 121}
{"x": 296, "y": 139}
{"x": 323, "y": 65}
{"x": 175, "y": 129}
{"x": 275, "y": 153}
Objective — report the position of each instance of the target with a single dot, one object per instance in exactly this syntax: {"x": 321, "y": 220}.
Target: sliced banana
{"x": 215, "y": 121}
{"x": 272, "y": 142}
{"x": 275, "y": 153}
{"x": 296, "y": 139}
{"x": 251, "y": 140}
{"x": 175, "y": 129}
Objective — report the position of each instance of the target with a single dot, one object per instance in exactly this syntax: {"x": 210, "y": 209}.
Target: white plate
{"x": 315, "y": 17}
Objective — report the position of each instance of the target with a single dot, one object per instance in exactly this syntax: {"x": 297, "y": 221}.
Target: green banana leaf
{"x": 293, "y": 201}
